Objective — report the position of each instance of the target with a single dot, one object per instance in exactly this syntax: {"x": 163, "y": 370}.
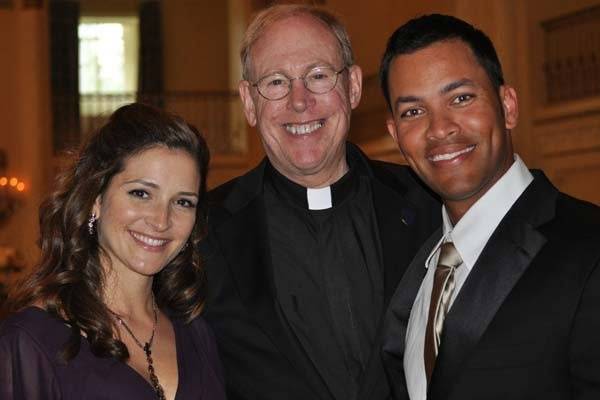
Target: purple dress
{"x": 31, "y": 368}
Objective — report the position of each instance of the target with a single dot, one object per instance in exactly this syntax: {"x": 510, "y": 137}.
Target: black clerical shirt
{"x": 328, "y": 272}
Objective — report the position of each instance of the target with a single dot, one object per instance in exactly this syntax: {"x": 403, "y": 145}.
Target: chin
{"x": 149, "y": 269}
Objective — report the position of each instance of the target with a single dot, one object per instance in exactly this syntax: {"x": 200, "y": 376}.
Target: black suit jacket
{"x": 526, "y": 323}
{"x": 262, "y": 357}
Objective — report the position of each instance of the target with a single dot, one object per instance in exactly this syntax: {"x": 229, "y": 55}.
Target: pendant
{"x": 153, "y": 378}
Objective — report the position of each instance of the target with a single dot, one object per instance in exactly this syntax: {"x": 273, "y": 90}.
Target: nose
{"x": 299, "y": 97}
{"x": 159, "y": 217}
{"x": 441, "y": 125}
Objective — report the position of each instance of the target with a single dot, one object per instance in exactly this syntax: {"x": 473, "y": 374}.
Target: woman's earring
{"x": 91, "y": 223}
{"x": 184, "y": 247}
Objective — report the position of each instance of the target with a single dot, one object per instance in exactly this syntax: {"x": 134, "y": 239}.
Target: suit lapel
{"x": 401, "y": 228}
{"x": 400, "y": 236}
{"x": 244, "y": 242}
{"x": 501, "y": 264}
{"x": 398, "y": 313}
{"x": 242, "y": 239}
{"x": 394, "y": 235}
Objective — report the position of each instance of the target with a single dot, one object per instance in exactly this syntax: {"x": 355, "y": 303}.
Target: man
{"x": 503, "y": 301}
{"x": 305, "y": 250}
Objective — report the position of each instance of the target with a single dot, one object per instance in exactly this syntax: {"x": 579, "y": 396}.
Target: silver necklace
{"x": 146, "y": 348}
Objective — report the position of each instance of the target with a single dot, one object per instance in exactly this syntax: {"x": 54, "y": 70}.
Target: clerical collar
{"x": 309, "y": 198}
{"x": 319, "y": 199}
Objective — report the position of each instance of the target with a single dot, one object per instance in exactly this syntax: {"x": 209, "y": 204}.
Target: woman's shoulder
{"x": 198, "y": 331}
{"x": 201, "y": 356}
{"x": 32, "y": 319}
{"x": 34, "y": 326}
{"x": 28, "y": 358}
{"x": 197, "y": 325}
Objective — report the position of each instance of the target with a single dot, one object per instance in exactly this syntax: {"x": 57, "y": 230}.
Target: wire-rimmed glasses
{"x": 318, "y": 80}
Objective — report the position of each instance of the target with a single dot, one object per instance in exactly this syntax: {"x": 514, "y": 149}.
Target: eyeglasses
{"x": 318, "y": 81}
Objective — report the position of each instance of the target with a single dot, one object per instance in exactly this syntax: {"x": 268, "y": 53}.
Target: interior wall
{"x": 108, "y": 8}
{"x": 226, "y": 167}
{"x": 195, "y": 44}
{"x": 505, "y": 22}
{"x": 566, "y": 133}
{"x": 369, "y": 25}
{"x": 25, "y": 119}
{"x": 201, "y": 41}
{"x": 195, "y": 37}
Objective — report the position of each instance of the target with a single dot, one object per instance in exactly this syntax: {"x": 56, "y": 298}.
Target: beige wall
{"x": 25, "y": 119}
{"x": 196, "y": 45}
{"x": 106, "y": 8}
{"x": 369, "y": 25}
{"x": 195, "y": 38}
{"x": 565, "y": 136}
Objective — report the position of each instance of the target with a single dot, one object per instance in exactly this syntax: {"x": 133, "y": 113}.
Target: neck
{"x": 320, "y": 179}
{"x": 132, "y": 297}
{"x": 456, "y": 210}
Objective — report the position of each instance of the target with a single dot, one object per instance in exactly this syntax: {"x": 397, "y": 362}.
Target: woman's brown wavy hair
{"x": 69, "y": 279}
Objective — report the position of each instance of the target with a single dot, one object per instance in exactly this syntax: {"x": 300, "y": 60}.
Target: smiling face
{"x": 303, "y": 133}
{"x": 451, "y": 125}
{"x": 147, "y": 213}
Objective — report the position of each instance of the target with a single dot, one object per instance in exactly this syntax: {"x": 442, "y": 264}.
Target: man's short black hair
{"x": 423, "y": 31}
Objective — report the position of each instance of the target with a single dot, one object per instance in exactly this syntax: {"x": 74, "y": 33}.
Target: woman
{"x": 112, "y": 310}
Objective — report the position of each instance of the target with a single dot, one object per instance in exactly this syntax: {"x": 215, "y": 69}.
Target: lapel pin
{"x": 407, "y": 216}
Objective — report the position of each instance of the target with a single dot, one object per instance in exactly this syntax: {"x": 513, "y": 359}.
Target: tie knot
{"x": 449, "y": 256}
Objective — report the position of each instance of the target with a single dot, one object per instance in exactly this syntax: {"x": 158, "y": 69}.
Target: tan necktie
{"x": 441, "y": 293}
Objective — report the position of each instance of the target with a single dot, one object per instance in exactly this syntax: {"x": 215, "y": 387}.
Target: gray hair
{"x": 275, "y": 13}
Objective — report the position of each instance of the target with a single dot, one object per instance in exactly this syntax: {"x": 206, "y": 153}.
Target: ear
{"x": 393, "y": 131}
{"x": 97, "y": 206}
{"x": 355, "y": 83}
{"x": 247, "y": 102}
{"x": 510, "y": 106}
{"x": 391, "y": 127}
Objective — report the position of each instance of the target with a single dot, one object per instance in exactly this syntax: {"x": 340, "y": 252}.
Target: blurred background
{"x": 66, "y": 64}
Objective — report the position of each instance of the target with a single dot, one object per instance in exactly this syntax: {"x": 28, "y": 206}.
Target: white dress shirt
{"x": 470, "y": 235}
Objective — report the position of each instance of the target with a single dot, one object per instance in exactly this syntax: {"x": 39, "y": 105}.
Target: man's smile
{"x": 450, "y": 155}
{"x": 304, "y": 128}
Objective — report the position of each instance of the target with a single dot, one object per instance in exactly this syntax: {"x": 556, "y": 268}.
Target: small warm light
{"x": 3, "y": 181}
{"x": 20, "y": 186}
{"x": 13, "y": 182}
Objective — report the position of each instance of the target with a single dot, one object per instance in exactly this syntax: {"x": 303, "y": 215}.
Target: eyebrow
{"x": 445, "y": 90}
{"x": 143, "y": 182}
{"x": 306, "y": 70}
{"x": 192, "y": 194}
{"x": 456, "y": 84}
{"x": 155, "y": 186}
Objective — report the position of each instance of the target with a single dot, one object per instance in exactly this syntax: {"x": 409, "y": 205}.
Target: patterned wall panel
{"x": 572, "y": 55}
{"x": 569, "y": 149}
{"x": 566, "y": 124}
{"x": 33, "y": 3}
